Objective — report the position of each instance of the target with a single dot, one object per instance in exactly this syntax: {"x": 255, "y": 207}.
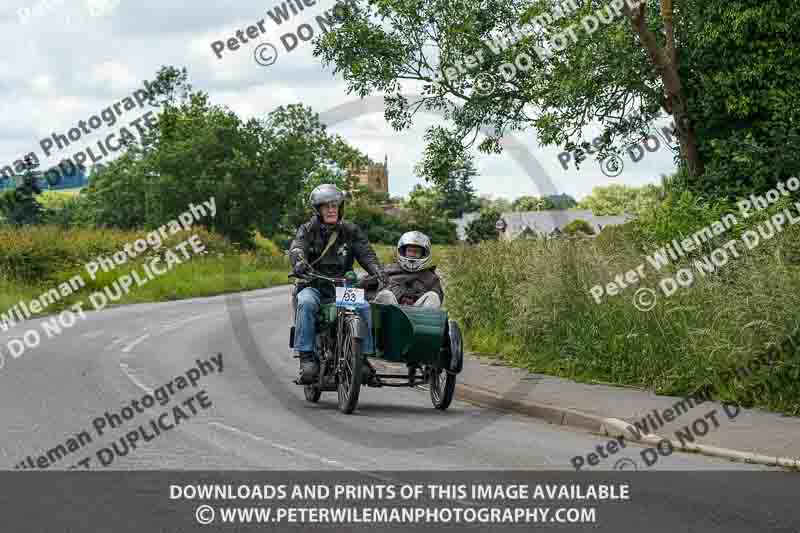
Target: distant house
{"x": 541, "y": 223}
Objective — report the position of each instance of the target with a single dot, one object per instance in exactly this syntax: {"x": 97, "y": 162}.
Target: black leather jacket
{"x": 351, "y": 245}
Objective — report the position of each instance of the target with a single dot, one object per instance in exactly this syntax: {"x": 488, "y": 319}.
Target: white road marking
{"x": 115, "y": 342}
{"x": 93, "y": 334}
{"x": 289, "y": 449}
{"x": 124, "y": 367}
{"x": 129, "y": 347}
{"x": 175, "y": 325}
{"x": 321, "y": 459}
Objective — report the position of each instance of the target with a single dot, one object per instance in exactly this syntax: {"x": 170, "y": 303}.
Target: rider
{"x": 410, "y": 281}
{"x": 328, "y": 245}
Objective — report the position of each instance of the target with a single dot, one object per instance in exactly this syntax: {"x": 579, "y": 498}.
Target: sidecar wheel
{"x": 443, "y": 387}
{"x": 350, "y": 373}
{"x": 312, "y": 392}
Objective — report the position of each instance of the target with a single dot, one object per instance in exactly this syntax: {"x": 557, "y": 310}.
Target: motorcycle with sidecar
{"x": 425, "y": 339}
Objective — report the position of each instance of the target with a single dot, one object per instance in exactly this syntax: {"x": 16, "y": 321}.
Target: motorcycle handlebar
{"x": 315, "y": 275}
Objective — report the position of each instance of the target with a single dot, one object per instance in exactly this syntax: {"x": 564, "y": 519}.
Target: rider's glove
{"x": 301, "y": 268}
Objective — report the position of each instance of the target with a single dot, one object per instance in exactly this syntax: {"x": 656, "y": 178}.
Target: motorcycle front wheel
{"x": 350, "y": 362}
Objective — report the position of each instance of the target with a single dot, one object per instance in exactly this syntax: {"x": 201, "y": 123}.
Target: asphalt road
{"x": 258, "y": 418}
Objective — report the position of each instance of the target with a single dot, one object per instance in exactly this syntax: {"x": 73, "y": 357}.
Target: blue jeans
{"x": 308, "y": 302}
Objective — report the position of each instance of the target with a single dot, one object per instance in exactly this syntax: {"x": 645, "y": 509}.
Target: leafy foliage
{"x": 483, "y": 228}
{"x": 457, "y": 195}
{"x": 19, "y": 206}
{"x": 535, "y": 203}
{"x": 500, "y": 204}
{"x": 617, "y": 199}
{"x": 259, "y": 172}
{"x": 578, "y": 226}
{"x": 732, "y": 70}
{"x": 742, "y": 74}
{"x": 385, "y": 229}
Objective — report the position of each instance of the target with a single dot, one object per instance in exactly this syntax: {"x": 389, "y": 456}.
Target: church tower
{"x": 373, "y": 177}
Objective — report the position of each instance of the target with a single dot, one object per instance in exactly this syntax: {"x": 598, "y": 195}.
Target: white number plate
{"x": 349, "y": 296}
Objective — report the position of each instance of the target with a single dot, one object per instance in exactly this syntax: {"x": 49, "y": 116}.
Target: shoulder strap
{"x": 331, "y": 240}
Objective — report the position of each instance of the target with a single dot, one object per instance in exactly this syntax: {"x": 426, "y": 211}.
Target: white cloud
{"x": 66, "y": 64}
{"x": 115, "y": 76}
{"x": 41, "y": 84}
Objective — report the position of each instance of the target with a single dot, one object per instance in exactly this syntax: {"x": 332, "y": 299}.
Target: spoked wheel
{"x": 443, "y": 387}
{"x": 350, "y": 364}
{"x": 312, "y": 392}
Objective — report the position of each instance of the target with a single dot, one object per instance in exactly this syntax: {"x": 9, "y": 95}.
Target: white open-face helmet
{"x": 413, "y": 238}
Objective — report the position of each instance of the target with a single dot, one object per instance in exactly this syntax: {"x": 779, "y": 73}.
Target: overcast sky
{"x": 62, "y": 64}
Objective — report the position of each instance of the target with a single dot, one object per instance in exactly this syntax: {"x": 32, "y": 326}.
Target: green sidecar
{"x": 424, "y": 339}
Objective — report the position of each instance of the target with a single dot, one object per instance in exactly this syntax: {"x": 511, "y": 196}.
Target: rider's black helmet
{"x": 325, "y": 194}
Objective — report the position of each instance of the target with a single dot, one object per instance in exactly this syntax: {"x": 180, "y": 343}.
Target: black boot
{"x": 309, "y": 368}
{"x": 369, "y": 376}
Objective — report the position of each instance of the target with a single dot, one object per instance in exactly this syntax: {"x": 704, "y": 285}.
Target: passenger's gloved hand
{"x": 381, "y": 277}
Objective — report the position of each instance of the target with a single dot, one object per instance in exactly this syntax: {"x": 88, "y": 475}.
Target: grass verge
{"x": 529, "y": 300}
{"x": 40, "y": 259}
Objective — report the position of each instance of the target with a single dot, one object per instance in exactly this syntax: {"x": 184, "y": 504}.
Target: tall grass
{"x": 530, "y": 301}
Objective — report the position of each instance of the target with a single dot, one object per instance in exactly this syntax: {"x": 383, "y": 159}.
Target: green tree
{"x": 259, "y": 171}
{"x": 562, "y": 201}
{"x": 742, "y": 73}
{"x": 453, "y": 188}
{"x": 617, "y": 199}
{"x": 423, "y": 213}
{"x": 502, "y": 205}
{"x": 728, "y": 72}
{"x": 532, "y": 203}
{"x": 423, "y": 199}
{"x": 462, "y": 199}
{"x": 578, "y": 226}
{"x": 450, "y": 202}
{"x": 483, "y": 228}
{"x": 19, "y": 206}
